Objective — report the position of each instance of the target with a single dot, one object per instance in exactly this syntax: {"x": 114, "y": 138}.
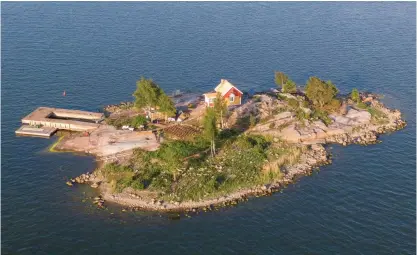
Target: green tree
{"x": 280, "y": 79}
{"x": 355, "y": 95}
{"x": 289, "y": 87}
{"x": 319, "y": 92}
{"x": 149, "y": 95}
{"x": 146, "y": 94}
{"x": 138, "y": 120}
{"x": 166, "y": 105}
{"x": 210, "y": 129}
{"x": 220, "y": 108}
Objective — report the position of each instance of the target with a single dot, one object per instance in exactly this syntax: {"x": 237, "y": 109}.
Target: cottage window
{"x": 232, "y": 97}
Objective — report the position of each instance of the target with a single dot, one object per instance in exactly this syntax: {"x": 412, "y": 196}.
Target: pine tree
{"x": 319, "y": 92}
{"x": 280, "y": 79}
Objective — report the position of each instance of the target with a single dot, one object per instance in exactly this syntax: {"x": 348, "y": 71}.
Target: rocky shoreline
{"x": 340, "y": 132}
{"x": 315, "y": 157}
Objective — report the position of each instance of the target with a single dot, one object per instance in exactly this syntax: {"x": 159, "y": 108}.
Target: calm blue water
{"x": 364, "y": 203}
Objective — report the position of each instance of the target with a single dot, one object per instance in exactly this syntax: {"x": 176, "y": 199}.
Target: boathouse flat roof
{"x": 33, "y": 131}
{"x": 64, "y": 119}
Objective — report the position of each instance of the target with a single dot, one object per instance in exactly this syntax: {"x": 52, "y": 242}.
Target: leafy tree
{"x": 319, "y": 92}
{"x": 280, "y": 79}
{"x": 210, "y": 128}
{"x": 355, "y": 95}
{"x": 289, "y": 87}
{"x": 166, "y": 105}
{"x": 149, "y": 95}
{"x": 220, "y": 108}
{"x": 138, "y": 120}
{"x": 146, "y": 94}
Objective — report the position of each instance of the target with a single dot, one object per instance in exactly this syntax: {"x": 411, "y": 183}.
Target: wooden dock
{"x": 33, "y": 131}
{"x": 44, "y": 121}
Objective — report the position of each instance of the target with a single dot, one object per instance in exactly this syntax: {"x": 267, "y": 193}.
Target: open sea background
{"x": 363, "y": 203}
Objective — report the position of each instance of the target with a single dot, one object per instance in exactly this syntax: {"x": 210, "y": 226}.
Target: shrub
{"x": 289, "y": 87}
{"x": 302, "y": 115}
{"x": 113, "y": 168}
{"x": 293, "y": 103}
{"x": 323, "y": 116}
{"x": 119, "y": 121}
{"x": 320, "y": 92}
{"x": 378, "y": 116}
{"x": 333, "y": 106}
{"x": 281, "y": 97}
{"x": 355, "y": 95}
{"x": 362, "y": 105}
{"x": 272, "y": 125}
{"x": 138, "y": 121}
{"x": 228, "y": 133}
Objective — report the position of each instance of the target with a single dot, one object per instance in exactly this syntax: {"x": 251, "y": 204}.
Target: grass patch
{"x": 377, "y": 116}
{"x": 322, "y": 115}
{"x": 362, "y": 105}
{"x": 124, "y": 120}
{"x": 183, "y": 170}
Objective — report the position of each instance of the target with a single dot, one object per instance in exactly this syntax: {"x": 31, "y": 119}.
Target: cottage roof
{"x": 224, "y": 87}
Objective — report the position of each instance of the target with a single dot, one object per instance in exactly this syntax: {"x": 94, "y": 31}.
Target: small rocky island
{"x": 189, "y": 152}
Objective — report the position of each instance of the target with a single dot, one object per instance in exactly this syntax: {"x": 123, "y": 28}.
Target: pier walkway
{"x": 49, "y": 120}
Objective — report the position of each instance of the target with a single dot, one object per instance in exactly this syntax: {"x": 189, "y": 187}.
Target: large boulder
{"x": 359, "y": 117}
{"x": 319, "y": 124}
{"x": 335, "y": 131}
{"x": 290, "y": 134}
{"x": 341, "y": 120}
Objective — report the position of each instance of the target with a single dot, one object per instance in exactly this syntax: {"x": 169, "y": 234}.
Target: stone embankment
{"x": 352, "y": 125}
{"x": 85, "y": 178}
{"x": 315, "y": 156}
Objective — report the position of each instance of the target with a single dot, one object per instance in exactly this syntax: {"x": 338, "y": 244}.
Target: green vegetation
{"x": 146, "y": 94}
{"x": 362, "y": 105}
{"x": 280, "y": 79}
{"x": 220, "y": 108}
{"x": 137, "y": 121}
{"x": 149, "y": 95}
{"x": 302, "y": 114}
{"x": 166, "y": 105}
{"x": 321, "y": 115}
{"x": 287, "y": 85}
{"x": 119, "y": 121}
{"x": 321, "y": 93}
{"x": 182, "y": 170}
{"x": 210, "y": 129}
{"x": 293, "y": 103}
{"x": 124, "y": 120}
{"x": 355, "y": 95}
{"x": 378, "y": 116}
